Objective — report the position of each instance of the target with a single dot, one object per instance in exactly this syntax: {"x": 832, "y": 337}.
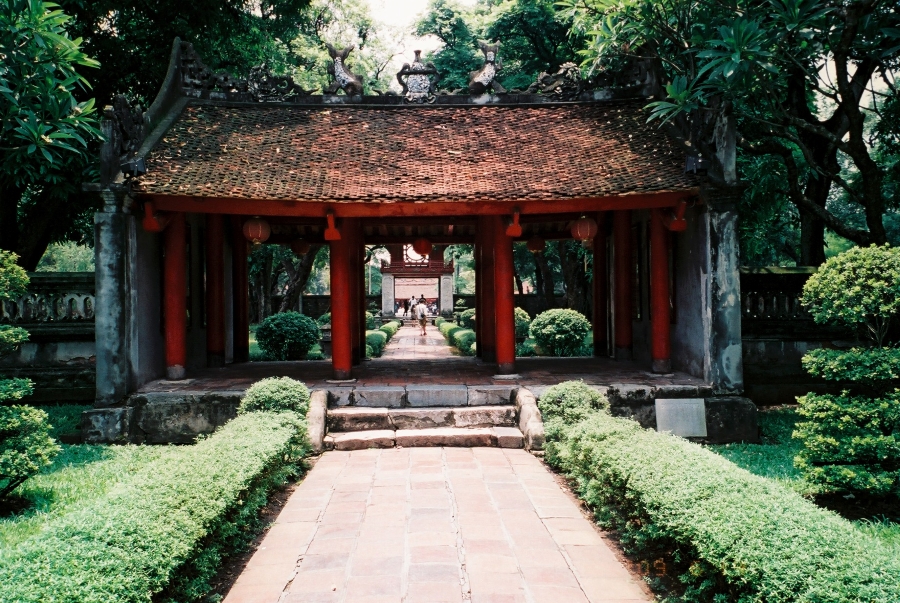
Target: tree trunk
{"x": 298, "y": 278}
{"x": 45, "y": 223}
{"x": 544, "y": 282}
{"x": 574, "y": 276}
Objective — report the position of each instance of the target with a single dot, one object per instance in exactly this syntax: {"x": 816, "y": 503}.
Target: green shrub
{"x": 463, "y": 339}
{"x": 11, "y": 338}
{"x": 276, "y": 394}
{"x": 376, "y": 339}
{"x": 859, "y": 288}
{"x": 370, "y": 353}
{"x": 560, "y": 332}
{"x": 731, "y": 536}
{"x": 460, "y": 305}
{"x": 526, "y": 348}
{"x": 467, "y": 319}
{"x": 370, "y": 321}
{"x": 439, "y": 321}
{"x": 873, "y": 367}
{"x": 565, "y": 404}
{"x": 523, "y": 323}
{"x": 447, "y": 329}
{"x": 161, "y": 533}
{"x": 13, "y": 279}
{"x": 323, "y": 320}
{"x": 390, "y": 329}
{"x": 287, "y": 335}
{"x": 25, "y": 445}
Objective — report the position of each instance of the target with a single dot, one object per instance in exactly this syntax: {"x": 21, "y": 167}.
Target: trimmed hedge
{"x": 467, "y": 319}
{"x": 276, "y": 394}
{"x": 376, "y": 340}
{"x": 560, "y": 332}
{"x": 287, "y": 336}
{"x": 160, "y": 534}
{"x": 733, "y": 536}
{"x": 522, "y": 322}
{"x": 390, "y": 328}
{"x": 464, "y": 340}
{"x": 448, "y": 328}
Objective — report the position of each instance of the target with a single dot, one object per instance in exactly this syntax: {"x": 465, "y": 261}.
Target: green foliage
{"x": 276, "y": 394}
{"x": 460, "y": 305}
{"x": 13, "y": 280}
{"x": 370, "y": 321}
{"x": 287, "y": 335}
{"x": 15, "y": 389}
{"x": 870, "y": 366}
{"x": 526, "y": 348}
{"x": 523, "y": 322}
{"x": 376, "y": 340}
{"x": 325, "y": 319}
{"x": 67, "y": 257}
{"x": 859, "y": 288}
{"x": 565, "y": 404}
{"x": 390, "y": 329}
{"x": 850, "y": 443}
{"x": 467, "y": 319}
{"x": 25, "y": 445}
{"x": 447, "y": 328}
{"x": 11, "y": 338}
{"x": 162, "y": 531}
{"x": 731, "y": 536}
{"x": 560, "y": 332}
{"x": 464, "y": 340}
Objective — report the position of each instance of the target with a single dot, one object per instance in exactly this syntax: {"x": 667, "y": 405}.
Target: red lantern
{"x": 422, "y": 247}
{"x": 584, "y": 229}
{"x": 535, "y": 244}
{"x": 300, "y": 246}
{"x": 257, "y": 230}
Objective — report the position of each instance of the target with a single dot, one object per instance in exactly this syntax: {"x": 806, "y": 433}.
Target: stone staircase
{"x": 423, "y": 415}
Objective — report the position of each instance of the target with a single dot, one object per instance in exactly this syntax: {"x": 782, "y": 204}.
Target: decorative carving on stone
{"x": 484, "y": 79}
{"x": 123, "y": 128}
{"x": 261, "y": 86}
{"x": 418, "y": 86}
{"x": 566, "y": 84}
{"x": 344, "y": 79}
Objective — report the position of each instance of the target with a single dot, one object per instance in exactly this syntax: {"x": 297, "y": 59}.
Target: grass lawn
{"x": 774, "y": 458}
{"x": 80, "y": 473}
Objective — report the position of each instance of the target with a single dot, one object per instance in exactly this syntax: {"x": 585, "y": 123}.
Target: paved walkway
{"x": 433, "y": 525}
{"x": 409, "y": 344}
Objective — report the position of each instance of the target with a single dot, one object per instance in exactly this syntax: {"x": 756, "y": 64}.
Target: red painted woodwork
{"x": 584, "y": 229}
{"x": 257, "y": 230}
{"x": 622, "y": 269}
{"x": 261, "y": 207}
{"x": 479, "y": 287}
{"x": 422, "y": 247}
{"x": 514, "y": 229}
{"x": 674, "y": 220}
{"x": 215, "y": 290}
{"x": 331, "y": 231}
{"x": 175, "y": 297}
{"x": 240, "y": 284}
{"x": 154, "y": 221}
{"x": 504, "y": 303}
{"x": 487, "y": 315}
{"x": 600, "y": 293}
{"x": 351, "y": 231}
{"x": 341, "y": 310}
{"x": 660, "y": 318}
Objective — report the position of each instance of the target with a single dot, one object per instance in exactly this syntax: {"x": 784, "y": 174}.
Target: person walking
{"x": 422, "y": 315}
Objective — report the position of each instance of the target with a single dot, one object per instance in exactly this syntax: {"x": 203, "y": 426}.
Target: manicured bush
{"x": 25, "y": 445}
{"x": 566, "y": 403}
{"x": 287, "y": 336}
{"x": 11, "y": 338}
{"x": 377, "y": 340}
{"x": 851, "y": 441}
{"x": 370, "y": 353}
{"x": 560, "y": 332}
{"x": 467, "y": 319}
{"x": 276, "y": 394}
{"x": 161, "y": 532}
{"x": 526, "y": 348}
{"x": 523, "y": 323}
{"x": 390, "y": 328}
{"x": 728, "y": 535}
{"x": 323, "y": 320}
{"x": 464, "y": 339}
{"x": 460, "y": 305}
{"x": 439, "y": 321}
{"x": 447, "y": 329}
{"x": 370, "y": 321}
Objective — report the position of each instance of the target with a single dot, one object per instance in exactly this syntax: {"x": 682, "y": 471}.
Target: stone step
{"x": 365, "y": 419}
{"x": 502, "y": 437}
{"x": 421, "y": 396}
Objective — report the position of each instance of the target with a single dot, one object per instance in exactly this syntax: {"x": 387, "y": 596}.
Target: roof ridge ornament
{"x": 566, "y": 84}
{"x": 484, "y": 80}
{"x": 418, "y": 88}
{"x": 344, "y": 79}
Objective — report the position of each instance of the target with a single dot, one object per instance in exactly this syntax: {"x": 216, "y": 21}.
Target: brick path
{"x": 408, "y": 344}
{"x": 433, "y": 525}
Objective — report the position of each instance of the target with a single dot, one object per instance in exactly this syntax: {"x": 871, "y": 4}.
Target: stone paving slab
{"x": 433, "y": 525}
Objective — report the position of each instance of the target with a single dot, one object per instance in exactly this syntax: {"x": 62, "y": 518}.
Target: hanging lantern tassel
{"x": 422, "y": 247}
{"x": 300, "y": 246}
{"x": 257, "y": 230}
{"x": 584, "y": 229}
{"x": 535, "y": 244}
{"x": 515, "y": 229}
{"x": 331, "y": 233}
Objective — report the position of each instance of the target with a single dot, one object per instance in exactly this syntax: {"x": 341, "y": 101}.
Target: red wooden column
{"x": 175, "y": 296}
{"x": 351, "y": 232}
{"x": 240, "y": 285}
{"x": 622, "y": 268}
{"x": 341, "y": 307}
{"x": 504, "y": 303}
{"x": 487, "y": 312}
{"x": 215, "y": 290}
{"x": 479, "y": 288}
{"x": 660, "y": 318}
{"x": 600, "y": 292}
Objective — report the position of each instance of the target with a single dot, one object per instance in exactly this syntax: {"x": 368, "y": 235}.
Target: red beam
{"x": 175, "y": 297}
{"x": 624, "y": 268}
{"x": 318, "y": 209}
{"x": 215, "y": 290}
{"x": 660, "y": 344}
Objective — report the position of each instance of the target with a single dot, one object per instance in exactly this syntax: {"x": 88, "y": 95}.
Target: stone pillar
{"x": 722, "y": 322}
{"x": 446, "y": 292}
{"x": 388, "y": 300}
{"x": 112, "y": 293}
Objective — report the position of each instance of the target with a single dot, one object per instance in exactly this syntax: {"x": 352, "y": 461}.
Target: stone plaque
{"x": 685, "y": 417}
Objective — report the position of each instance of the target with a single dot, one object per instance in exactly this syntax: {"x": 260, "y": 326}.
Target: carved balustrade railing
{"x": 55, "y": 301}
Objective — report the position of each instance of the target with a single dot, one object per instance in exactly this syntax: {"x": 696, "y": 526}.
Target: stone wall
{"x": 58, "y": 313}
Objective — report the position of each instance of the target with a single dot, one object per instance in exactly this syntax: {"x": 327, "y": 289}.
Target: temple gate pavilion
{"x": 217, "y": 160}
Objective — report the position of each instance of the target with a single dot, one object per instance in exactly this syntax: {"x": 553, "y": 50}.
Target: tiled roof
{"x": 397, "y": 154}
